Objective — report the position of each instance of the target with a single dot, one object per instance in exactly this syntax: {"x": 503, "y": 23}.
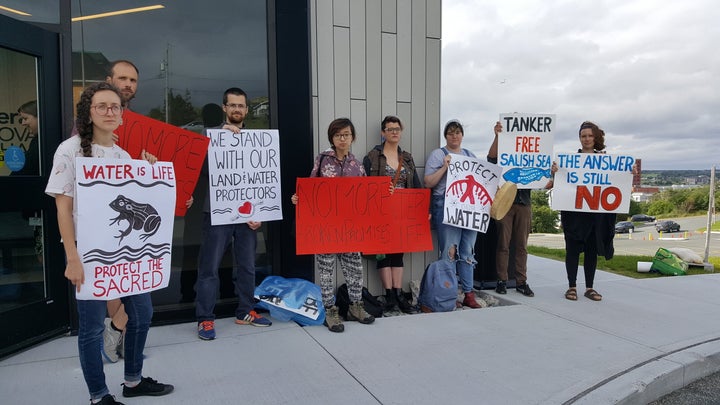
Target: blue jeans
{"x": 91, "y": 315}
{"x": 463, "y": 240}
{"x": 215, "y": 240}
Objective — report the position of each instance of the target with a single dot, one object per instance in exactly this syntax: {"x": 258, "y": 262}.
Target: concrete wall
{"x": 371, "y": 58}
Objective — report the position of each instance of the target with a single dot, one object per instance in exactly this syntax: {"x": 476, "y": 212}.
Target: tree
{"x": 544, "y": 219}
{"x": 181, "y": 110}
{"x": 539, "y": 198}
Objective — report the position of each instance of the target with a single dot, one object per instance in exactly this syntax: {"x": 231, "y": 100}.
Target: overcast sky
{"x": 647, "y": 72}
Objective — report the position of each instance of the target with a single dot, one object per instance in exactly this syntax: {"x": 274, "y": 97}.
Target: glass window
{"x": 41, "y": 11}
{"x": 187, "y": 53}
{"x": 19, "y": 125}
{"x": 22, "y": 273}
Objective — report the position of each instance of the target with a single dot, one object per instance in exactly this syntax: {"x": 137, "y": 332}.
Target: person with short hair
{"x": 98, "y": 115}
{"x": 217, "y": 238}
{"x": 123, "y": 74}
{"x": 388, "y": 159}
{"x": 454, "y": 243}
{"x": 338, "y": 161}
{"x": 513, "y": 228}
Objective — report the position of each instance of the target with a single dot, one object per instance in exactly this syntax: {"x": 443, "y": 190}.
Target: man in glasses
{"x": 216, "y": 239}
{"x": 122, "y": 74}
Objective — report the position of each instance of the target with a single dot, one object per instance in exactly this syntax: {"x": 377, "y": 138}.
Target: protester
{"x": 388, "y": 159}
{"x": 454, "y": 243}
{"x": 98, "y": 115}
{"x": 217, "y": 238}
{"x": 587, "y": 232}
{"x": 513, "y": 230}
{"x": 338, "y": 161}
{"x": 122, "y": 74}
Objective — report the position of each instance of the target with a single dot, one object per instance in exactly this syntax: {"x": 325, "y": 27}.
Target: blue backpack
{"x": 439, "y": 287}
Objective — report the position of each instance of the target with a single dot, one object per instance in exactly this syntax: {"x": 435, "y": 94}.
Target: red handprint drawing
{"x": 469, "y": 189}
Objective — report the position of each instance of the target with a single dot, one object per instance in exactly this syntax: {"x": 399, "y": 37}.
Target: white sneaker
{"x": 111, "y": 341}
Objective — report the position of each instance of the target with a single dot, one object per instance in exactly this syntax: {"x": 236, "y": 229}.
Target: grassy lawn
{"x": 715, "y": 227}
{"x": 623, "y": 265}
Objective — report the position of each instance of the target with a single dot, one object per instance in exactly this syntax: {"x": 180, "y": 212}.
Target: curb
{"x": 655, "y": 378}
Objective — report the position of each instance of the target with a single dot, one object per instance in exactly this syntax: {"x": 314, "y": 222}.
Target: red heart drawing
{"x": 246, "y": 208}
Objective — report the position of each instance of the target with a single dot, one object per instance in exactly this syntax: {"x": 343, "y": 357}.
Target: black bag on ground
{"x": 372, "y": 305}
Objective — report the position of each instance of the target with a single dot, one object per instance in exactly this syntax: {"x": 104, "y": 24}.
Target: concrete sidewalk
{"x": 645, "y": 339}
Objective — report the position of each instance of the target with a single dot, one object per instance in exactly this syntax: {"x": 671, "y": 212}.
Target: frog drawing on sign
{"x": 139, "y": 216}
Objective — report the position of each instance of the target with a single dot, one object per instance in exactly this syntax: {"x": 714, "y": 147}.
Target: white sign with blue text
{"x": 244, "y": 171}
{"x": 593, "y": 182}
{"x": 525, "y": 149}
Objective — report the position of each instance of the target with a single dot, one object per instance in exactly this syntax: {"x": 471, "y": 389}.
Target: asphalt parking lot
{"x": 646, "y": 241}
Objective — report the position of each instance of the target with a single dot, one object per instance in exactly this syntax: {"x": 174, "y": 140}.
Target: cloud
{"x": 646, "y": 72}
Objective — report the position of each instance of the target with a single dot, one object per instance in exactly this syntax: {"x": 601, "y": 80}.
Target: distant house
{"x": 261, "y": 110}
{"x": 643, "y": 194}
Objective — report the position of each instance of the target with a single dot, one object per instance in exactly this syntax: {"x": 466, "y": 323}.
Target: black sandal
{"x": 593, "y": 295}
{"x": 571, "y": 294}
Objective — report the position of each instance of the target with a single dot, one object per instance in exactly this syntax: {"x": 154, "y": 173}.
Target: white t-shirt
{"x": 62, "y": 176}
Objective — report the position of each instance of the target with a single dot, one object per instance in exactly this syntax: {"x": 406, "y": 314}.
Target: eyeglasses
{"x": 393, "y": 130}
{"x": 102, "y": 109}
{"x": 342, "y": 136}
{"x": 235, "y": 106}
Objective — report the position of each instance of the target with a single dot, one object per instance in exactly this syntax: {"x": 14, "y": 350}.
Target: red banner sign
{"x": 184, "y": 148}
{"x": 358, "y": 214}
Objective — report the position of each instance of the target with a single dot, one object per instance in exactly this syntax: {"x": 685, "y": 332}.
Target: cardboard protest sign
{"x": 525, "y": 148}
{"x": 469, "y": 191}
{"x": 168, "y": 143}
{"x": 244, "y": 176}
{"x": 124, "y": 226}
{"x": 358, "y": 214}
{"x": 593, "y": 182}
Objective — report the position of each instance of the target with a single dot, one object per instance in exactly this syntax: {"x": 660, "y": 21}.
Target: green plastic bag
{"x": 668, "y": 263}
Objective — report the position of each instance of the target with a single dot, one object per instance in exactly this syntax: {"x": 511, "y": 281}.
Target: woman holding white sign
{"x": 454, "y": 243}
{"x": 587, "y": 232}
{"x": 99, "y": 113}
{"x": 388, "y": 159}
{"x": 338, "y": 161}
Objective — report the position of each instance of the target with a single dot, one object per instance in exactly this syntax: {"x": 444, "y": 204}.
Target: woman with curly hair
{"x": 99, "y": 113}
{"x": 588, "y": 232}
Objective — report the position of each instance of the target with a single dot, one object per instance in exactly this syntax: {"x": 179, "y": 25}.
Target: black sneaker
{"x": 148, "y": 387}
{"x": 525, "y": 290}
{"x": 108, "y": 400}
{"x": 500, "y": 288}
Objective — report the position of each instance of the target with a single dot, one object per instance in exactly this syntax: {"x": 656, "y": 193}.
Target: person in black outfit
{"x": 587, "y": 232}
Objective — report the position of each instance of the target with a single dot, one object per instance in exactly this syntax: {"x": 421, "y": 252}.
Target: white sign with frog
{"x": 125, "y": 218}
